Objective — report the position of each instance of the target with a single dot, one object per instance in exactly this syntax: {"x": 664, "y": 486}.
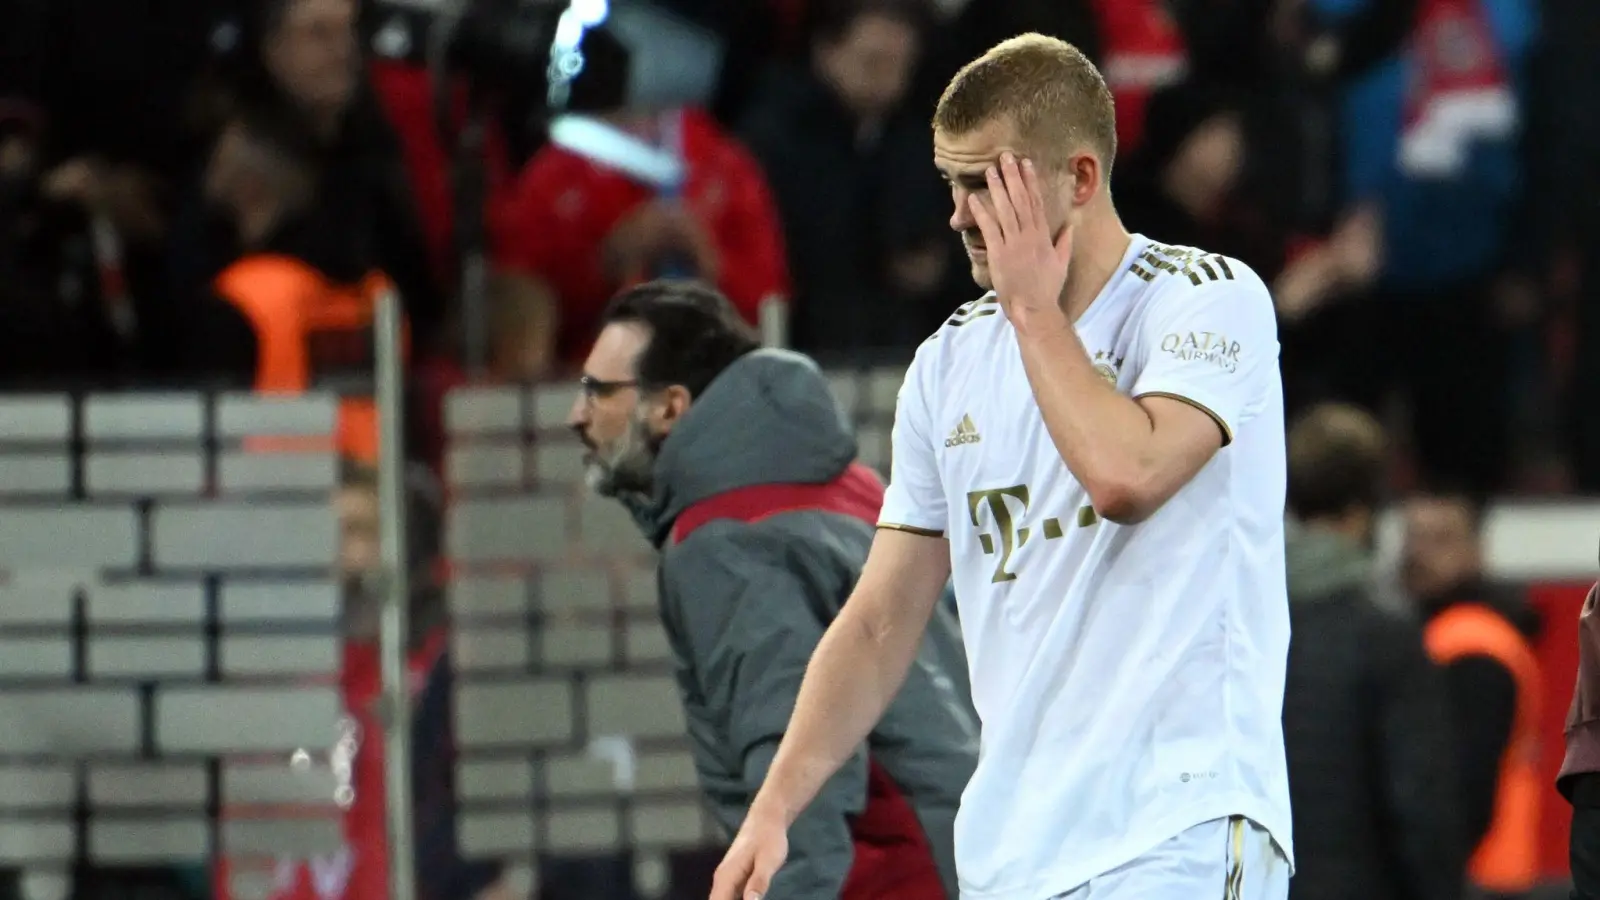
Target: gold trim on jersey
{"x": 1196, "y": 265}
{"x": 1234, "y": 890}
{"x": 987, "y": 305}
{"x": 1227, "y": 433}
{"x": 911, "y": 529}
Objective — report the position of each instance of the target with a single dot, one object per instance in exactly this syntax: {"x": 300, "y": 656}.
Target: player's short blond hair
{"x": 1053, "y": 95}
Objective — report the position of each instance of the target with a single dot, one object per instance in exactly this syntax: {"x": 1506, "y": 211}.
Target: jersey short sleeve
{"x": 914, "y": 500}
{"x": 1213, "y": 346}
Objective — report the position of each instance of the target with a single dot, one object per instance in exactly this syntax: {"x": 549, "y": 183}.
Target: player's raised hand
{"x": 1027, "y": 264}
{"x": 752, "y": 860}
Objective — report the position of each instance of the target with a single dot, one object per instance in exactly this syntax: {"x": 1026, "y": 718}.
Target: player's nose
{"x": 961, "y": 219}
{"x": 578, "y": 415}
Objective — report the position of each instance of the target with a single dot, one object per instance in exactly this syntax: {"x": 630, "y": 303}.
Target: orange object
{"x": 1507, "y": 860}
{"x": 308, "y": 327}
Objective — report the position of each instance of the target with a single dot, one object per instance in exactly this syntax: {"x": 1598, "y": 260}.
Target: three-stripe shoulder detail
{"x": 1196, "y": 266}
{"x": 987, "y": 305}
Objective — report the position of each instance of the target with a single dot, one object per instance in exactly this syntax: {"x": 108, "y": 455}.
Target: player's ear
{"x": 1084, "y": 176}
{"x": 671, "y": 404}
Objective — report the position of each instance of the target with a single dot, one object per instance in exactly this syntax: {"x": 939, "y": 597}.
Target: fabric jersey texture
{"x": 1129, "y": 679}
{"x": 764, "y": 521}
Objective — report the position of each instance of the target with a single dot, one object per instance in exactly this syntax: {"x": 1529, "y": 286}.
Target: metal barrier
{"x": 395, "y": 713}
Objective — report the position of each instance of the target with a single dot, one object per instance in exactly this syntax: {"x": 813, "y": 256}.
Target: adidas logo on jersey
{"x": 965, "y": 433}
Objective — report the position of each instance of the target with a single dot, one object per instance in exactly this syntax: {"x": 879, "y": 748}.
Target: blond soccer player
{"x": 1095, "y": 451}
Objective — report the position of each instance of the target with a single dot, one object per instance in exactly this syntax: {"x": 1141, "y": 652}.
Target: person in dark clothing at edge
{"x": 1579, "y": 780}
{"x": 294, "y": 311}
{"x": 846, "y": 156}
{"x": 1183, "y": 181}
{"x": 1365, "y": 716}
{"x": 1480, "y": 637}
{"x": 739, "y": 465}
{"x": 298, "y": 64}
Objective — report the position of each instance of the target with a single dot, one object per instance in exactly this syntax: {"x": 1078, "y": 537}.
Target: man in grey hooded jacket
{"x": 1365, "y": 719}
{"x": 740, "y": 467}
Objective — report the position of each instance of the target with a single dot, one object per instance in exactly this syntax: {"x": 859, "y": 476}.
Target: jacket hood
{"x": 769, "y": 418}
{"x": 1323, "y": 564}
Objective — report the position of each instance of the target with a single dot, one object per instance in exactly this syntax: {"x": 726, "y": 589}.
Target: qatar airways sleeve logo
{"x": 1209, "y": 347}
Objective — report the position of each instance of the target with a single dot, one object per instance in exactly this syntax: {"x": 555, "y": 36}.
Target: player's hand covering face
{"x": 1027, "y": 264}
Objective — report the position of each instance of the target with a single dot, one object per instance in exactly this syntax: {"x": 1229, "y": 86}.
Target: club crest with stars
{"x": 1108, "y": 365}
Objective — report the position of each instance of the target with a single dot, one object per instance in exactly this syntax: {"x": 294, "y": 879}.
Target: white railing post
{"x": 394, "y": 629}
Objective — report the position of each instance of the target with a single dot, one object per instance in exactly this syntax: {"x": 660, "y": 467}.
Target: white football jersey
{"x": 1129, "y": 678}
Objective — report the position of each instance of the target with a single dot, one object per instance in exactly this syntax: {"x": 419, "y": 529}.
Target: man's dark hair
{"x": 246, "y": 79}
{"x": 602, "y": 86}
{"x": 830, "y": 20}
{"x": 1446, "y": 490}
{"x": 1337, "y": 456}
{"x": 695, "y": 332}
{"x": 263, "y": 18}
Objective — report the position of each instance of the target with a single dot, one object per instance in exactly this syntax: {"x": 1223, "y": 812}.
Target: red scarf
{"x": 1143, "y": 51}
{"x": 1458, "y": 93}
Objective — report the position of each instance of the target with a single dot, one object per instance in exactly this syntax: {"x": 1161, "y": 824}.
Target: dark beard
{"x": 633, "y": 472}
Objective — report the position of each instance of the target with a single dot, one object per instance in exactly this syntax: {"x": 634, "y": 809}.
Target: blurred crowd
{"x": 215, "y": 192}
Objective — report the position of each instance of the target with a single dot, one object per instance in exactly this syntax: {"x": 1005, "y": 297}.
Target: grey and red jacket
{"x": 763, "y": 519}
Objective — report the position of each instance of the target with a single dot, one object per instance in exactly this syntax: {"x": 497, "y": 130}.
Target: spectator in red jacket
{"x": 405, "y": 91}
{"x": 619, "y": 197}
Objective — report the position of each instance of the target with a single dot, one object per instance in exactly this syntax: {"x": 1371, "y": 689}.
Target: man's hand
{"x": 755, "y": 856}
{"x": 1304, "y": 284}
{"x": 1357, "y": 246}
{"x": 688, "y": 235}
{"x": 641, "y": 234}
{"x": 650, "y": 232}
{"x": 1028, "y": 266}
{"x": 77, "y": 180}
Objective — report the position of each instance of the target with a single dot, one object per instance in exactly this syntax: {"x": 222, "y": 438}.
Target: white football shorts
{"x": 1226, "y": 859}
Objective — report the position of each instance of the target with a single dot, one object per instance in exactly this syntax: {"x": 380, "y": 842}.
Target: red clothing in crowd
{"x": 1142, "y": 51}
{"x": 563, "y": 206}
{"x": 406, "y": 94}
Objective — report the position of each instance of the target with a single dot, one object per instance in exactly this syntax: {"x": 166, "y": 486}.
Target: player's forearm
{"x": 855, "y": 672}
{"x": 1104, "y": 437}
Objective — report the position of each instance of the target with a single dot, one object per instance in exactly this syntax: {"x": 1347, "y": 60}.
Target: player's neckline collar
{"x": 1136, "y": 245}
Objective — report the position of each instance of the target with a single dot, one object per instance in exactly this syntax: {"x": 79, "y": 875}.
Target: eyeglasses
{"x": 595, "y": 388}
